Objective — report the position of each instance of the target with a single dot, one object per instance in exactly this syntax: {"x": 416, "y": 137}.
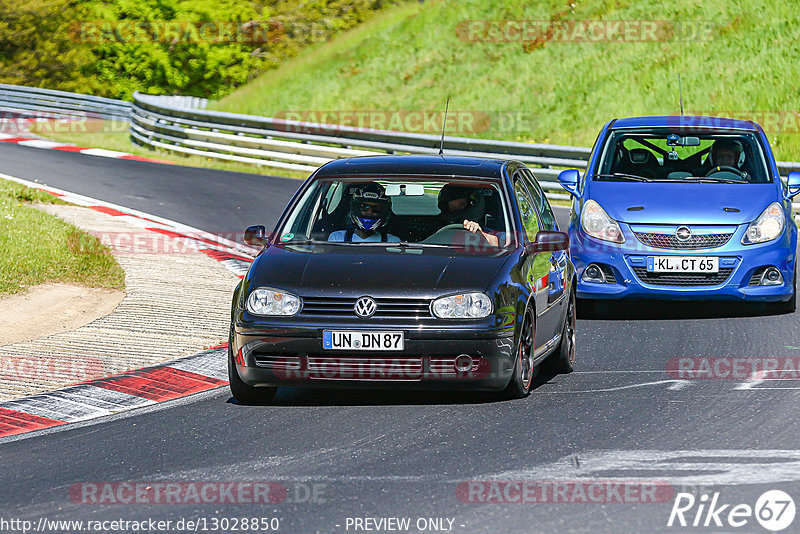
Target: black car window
{"x": 527, "y": 213}
{"x": 658, "y": 154}
{"x": 540, "y": 201}
{"x": 415, "y": 211}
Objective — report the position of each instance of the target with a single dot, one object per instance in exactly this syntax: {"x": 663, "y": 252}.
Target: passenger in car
{"x": 465, "y": 205}
{"x": 370, "y": 210}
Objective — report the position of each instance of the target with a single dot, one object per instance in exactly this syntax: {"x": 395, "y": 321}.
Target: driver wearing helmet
{"x": 461, "y": 205}
{"x": 726, "y": 153}
{"x": 369, "y": 213}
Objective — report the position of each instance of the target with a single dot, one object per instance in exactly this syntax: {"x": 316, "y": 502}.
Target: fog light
{"x": 771, "y": 277}
{"x": 463, "y": 363}
{"x": 593, "y": 273}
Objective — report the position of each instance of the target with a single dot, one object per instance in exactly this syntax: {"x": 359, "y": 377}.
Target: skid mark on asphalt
{"x": 701, "y": 466}
{"x": 587, "y": 382}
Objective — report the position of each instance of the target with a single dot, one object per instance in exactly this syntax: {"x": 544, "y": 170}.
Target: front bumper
{"x": 293, "y": 355}
{"x": 628, "y": 261}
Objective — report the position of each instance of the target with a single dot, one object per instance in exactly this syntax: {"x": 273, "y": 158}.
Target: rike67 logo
{"x": 774, "y": 510}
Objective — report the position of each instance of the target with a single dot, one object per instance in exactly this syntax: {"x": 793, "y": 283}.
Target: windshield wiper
{"x": 623, "y": 176}
{"x": 709, "y": 179}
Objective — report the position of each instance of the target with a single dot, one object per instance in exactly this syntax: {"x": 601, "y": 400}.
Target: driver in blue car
{"x": 462, "y": 205}
{"x": 369, "y": 214}
{"x": 726, "y": 153}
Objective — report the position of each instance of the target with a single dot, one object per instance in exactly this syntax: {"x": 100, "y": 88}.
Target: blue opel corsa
{"x": 683, "y": 208}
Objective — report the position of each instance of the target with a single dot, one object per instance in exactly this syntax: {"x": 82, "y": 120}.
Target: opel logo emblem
{"x": 683, "y": 233}
{"x": 365, "y": 307}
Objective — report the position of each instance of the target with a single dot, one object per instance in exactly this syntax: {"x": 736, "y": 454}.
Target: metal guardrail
{"x": 182, "y": 124}
{"x": 302, "y": 146}
{"x": 22, "y": 102}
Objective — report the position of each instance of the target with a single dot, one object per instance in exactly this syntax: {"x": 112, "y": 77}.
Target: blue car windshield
{"x": 363, "y": 211}
{"x": 723, "y": 156}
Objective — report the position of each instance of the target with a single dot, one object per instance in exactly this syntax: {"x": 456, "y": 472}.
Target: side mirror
{"x": 547, "y": 241}
{"x": 256, "y": 236}
{"x": 569, "y": 180}
{"x": 793, "y": 184}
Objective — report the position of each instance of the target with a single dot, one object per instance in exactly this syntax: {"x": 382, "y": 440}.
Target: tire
{"x": 790, "y": 305}
{"x": 519, "y": 386}
{"x": 244, "y": 393}
{"x": 562, "y": 360}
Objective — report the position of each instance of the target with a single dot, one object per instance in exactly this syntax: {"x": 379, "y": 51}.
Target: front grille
{"x": 671, "y": 241}
{"x": 682, "y": 279}
{"x": 276, "y": 362}
{"x": 608, "y": 273}
{"x": 755, "y": 280}
{"x": 387, "y": 308}
{"x": 393, "y": 368}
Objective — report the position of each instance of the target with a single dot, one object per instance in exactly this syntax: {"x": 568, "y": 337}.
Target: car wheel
{"x": 562, "y": 360}
{"x": 519, "y": 386}
{"x": 790, "y": 305}
{"x": 244, "y": 393}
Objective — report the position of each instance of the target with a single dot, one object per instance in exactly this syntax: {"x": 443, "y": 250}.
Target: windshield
{"x": 400, "y": 210}
{"x": 702, "y": 156}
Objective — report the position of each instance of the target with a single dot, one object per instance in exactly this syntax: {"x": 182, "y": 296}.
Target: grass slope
{"x": 36, "y": 247}
{"x": 412, "y": 58}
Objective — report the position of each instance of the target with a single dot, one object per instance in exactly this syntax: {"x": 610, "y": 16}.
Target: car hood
{"x": 687, "y": 203}
{"x": 351, "y": 271}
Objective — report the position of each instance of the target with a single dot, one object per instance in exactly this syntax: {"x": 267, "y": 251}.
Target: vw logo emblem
{"x": 365, "y": 307}
{"x": 683, "y": 233}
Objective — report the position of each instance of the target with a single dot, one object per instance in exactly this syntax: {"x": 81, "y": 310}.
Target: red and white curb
{"x": 67, "y": 147}
{"x": 184, "y": 376}
{"x": 234, "y": 256}
{"x": 101, "y": 397}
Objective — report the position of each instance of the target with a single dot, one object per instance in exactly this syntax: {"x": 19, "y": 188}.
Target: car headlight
{"x": 266, "y": 301}
{"x": 462, "y": 306}
{"x": 596, "y": 222}
{"x": 767, "y": 227}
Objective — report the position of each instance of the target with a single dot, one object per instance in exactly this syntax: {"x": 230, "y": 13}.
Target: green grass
{"x": 412, "y": 58}
{"x": 36, "y": 247}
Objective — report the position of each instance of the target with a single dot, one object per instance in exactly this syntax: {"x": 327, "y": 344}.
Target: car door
{"x": 559, "y": 259}
{"x": 536, "y": 267}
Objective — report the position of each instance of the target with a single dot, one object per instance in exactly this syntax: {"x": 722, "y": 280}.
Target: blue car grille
{"x": 387, "y": 308}
{"x": 671, "y": 241}
{"x": 682, "y": 279}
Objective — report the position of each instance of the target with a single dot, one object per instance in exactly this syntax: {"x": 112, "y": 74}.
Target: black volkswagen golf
{"x": 406, "y": 272}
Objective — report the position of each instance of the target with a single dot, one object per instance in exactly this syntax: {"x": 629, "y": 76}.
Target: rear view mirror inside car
{"x": 675, "y": 140}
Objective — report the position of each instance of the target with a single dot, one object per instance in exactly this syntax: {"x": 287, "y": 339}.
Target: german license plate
{"x": 682, "y": 264}
{"x": 356, "y": 340}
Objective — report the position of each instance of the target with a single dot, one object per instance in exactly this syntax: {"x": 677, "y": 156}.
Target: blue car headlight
{"x": 767, "y": 227}
{"x": 267, "y": 301}
{"x": 462, "y": 306}
{"x": 596, "y": 222}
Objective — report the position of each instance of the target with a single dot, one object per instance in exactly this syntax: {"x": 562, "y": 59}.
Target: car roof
{"x": 414, "y": 165}
{"x": 683, "y": 121}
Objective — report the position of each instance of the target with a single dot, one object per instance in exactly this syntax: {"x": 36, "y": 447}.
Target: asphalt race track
{"x": 343, "y": 457}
